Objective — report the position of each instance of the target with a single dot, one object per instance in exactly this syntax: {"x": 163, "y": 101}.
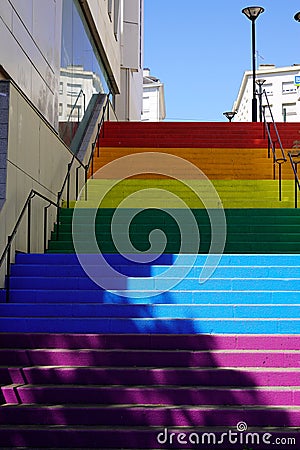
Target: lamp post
{"x": 252, "y": 13}
{"x": 260, "y": 82}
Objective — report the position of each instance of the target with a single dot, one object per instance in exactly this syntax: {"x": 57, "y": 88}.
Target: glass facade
{"x": 82, "y": 73}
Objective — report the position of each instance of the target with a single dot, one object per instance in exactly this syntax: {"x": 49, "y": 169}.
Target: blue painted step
{"x": 246, "y": 294}
{"x": 189, "y": 311}
{"x": 157, "y": 284}
{"x": 174, "y": 297}
{"x": 152, "y": 326}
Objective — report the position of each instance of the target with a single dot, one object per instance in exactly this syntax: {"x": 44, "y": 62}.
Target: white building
{"x": 282, "y": 91}
{"x": 76, "y": 87}
{"x": 154, "y": 109}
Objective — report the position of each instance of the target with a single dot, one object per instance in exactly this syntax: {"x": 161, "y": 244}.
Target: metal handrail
{"x": 85, "y": 167}
{"x": 7, "y": 251}
{"x": 271, "y": 145}
{"x": 27, "y": 205}
{"x": 81, "y": 92}
{"x": 283, "y": 157}
{"x": 96, "y": 140}
{"x": 294, "y": 165}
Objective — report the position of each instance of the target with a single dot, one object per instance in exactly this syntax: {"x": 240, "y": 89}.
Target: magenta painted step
{"x": 134, "y": 376}
{"x": 149, "y": 341}
{"x": 92, "y": 395}
{"x": 72, "y": 415}
{"x": 160, "y": 416}
{"x": 149, "y": 358}
{"x": 89, "y": 437}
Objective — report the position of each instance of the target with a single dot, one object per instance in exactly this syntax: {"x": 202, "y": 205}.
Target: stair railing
{"x": 85, "y": 167}
{"x": 281, "y": 159}
{"x": 10, "y": 239}
{"x": 6, "y": 255}
{"x": 295, "y": 160}
{"x": 95, "y": 144}
{"x": 80, "y": 93}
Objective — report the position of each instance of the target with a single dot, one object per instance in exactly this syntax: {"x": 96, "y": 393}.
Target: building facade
{"x": 282, "y": 88}
{"x": 154, "y": 109}
{"x": 40, "y": 41}
{"x": 54, "y": 56}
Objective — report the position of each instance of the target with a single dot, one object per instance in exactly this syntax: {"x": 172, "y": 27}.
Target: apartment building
{"x": 281, "y": 85}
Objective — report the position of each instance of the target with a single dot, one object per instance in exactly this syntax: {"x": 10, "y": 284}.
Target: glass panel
{"x": 82, "y": 72}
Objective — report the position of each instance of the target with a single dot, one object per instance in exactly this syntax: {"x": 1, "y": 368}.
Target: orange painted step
{"x": 215, "y": 163}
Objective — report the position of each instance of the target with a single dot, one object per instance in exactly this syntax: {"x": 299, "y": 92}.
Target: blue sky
{"x": 200, "y": 50}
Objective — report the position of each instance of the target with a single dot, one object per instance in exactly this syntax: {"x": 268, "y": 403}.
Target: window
{"x": 110, "y": 8}
{"x": 73, "y": 89}
{"x": 268, "y": 87}
{"x": 61, "y": 87}
{"x": 289, "y": 109}
{"x": 60, "y": 109}
{"x": 74, "y": 111}
{"x": 267, "y": 112}
{"x": 288, "y": 87}
{"x": 117, "y": 6}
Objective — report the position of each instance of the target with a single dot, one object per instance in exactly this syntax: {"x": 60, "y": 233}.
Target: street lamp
{"x": 297, "y": 17}
{"x": 229, "y": 115}
{"x": 252, "y": 13}
{"x": 260, "y": 82}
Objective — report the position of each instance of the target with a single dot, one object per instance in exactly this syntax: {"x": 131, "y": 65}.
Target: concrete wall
{"x": 129, "y": 104}
{"x": 35, "y": 158}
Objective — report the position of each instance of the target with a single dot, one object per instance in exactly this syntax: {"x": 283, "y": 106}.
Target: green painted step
{"x": 242, "y": 247}
{"x": 105, "y": 227}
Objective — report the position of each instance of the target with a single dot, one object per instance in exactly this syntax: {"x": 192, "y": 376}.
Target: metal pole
{"x": 8, "y": 270}
{"x": 296, "y": 187}
{"x": 254, "y": 99}
{"x": 29, "y": 227}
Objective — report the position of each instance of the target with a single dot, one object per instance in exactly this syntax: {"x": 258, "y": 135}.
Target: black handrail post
{"x": 46, "y": 226}
{"x": 280, "y": 182}
{"x": 85, "y": 182}
{"x": 29, "y": 225}
{"x": 8, "y": 256}
{"x": 68, "y": 184}
{"x": 92, "y": 167}
{"x": 98, "y": 134}
{"x": 77, "y": 182}
{"x": 269, "y": 140}
{"x": 58, "y": 214}
{"x": 296, "y": 186}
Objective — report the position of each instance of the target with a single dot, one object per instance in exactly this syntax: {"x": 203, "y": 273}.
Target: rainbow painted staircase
{"x": 146, "y": 355}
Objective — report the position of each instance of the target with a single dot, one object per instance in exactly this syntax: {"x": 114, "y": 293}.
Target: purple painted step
{"x": 133, "y": 376}
{"x": 72, "y": 415}
{"x": 153, "y": 358}
{"x": 119, "y": 389}
{"x": 89, "y": 437}
{"x": 142, "y": 397}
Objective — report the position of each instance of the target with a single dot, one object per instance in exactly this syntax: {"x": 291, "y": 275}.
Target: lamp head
{"x": 297, "y": 17}
{"x": 229, "y": 115}
{"x": 252, "y": 12}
